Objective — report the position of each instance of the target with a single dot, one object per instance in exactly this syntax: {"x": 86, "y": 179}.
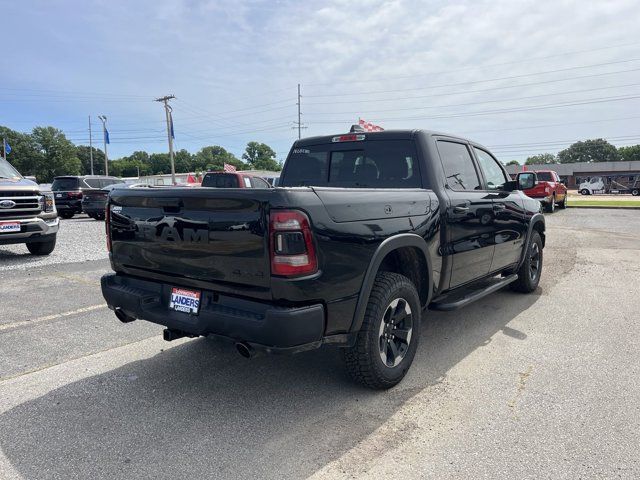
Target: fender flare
{"x": 538, "y": 217}
{"x": 387, "y": 246}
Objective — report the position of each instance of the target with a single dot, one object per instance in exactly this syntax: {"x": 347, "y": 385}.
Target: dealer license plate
{"x": 183, "y": 300}
{"x": 9, "y": 227}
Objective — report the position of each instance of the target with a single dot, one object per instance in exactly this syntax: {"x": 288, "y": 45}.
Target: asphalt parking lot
{"x": 514, "y": 386}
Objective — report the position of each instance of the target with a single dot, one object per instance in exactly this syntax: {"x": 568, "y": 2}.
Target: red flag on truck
{"x": 229, "y": 168}
{"x": 369, "y": 127}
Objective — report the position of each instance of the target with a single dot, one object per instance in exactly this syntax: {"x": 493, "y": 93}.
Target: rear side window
{"x": 375, "y": 164}
{"x": 220, "y": 180}
{"x": 64, "y": 184}
{"x": 458, "y": 166}
{"x": 259, "y": 183}
{"x": 93, "y": 182}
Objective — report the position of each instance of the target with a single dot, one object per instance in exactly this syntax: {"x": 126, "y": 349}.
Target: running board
{"x": 467, "y": 295}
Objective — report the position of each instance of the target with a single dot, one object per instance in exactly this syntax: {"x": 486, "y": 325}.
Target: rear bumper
{"x": 264, "y": 326}
{"x": 35, "y": 229}
{"x": 93, "y": 207}
{"x": 69, "y": 206}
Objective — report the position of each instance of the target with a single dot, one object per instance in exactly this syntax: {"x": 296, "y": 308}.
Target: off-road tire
{"x": 42, "y": 248}
{"x": 525, "y": 283}
{"x": 363, "y": 361}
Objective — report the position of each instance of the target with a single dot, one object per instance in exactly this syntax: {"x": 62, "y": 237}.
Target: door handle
{"x": 460, "y": 209}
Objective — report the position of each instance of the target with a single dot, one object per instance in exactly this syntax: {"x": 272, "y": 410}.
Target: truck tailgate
{"x": 202, "y": 234}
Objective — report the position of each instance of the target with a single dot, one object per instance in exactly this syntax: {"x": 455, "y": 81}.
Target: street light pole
{"x": 104, "y": 139}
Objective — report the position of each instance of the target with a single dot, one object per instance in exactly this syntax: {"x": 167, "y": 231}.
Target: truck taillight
{"x": 291, "y": 244}
{"x": 107, "y": 225}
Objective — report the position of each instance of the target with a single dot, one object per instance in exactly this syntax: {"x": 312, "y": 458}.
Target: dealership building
{"x": 575, "y": 173}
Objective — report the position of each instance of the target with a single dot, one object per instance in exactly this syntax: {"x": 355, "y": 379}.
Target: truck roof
{"x": 400, "y": 134}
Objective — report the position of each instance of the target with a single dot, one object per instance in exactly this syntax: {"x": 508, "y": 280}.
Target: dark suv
{"x": 69, "y": 190}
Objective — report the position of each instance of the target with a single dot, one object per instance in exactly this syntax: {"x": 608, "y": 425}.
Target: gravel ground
{"x": 513, "y": 386}
{"x": 80, "y": 239}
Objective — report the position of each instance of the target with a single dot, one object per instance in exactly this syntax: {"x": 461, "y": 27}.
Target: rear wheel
{"x": 387, "y": 341}
{"x": 563, "y": 203}
{"x": 531, "y": 268}
{"x": 635, "y": 192}
{"x": 42, "y": 248}
{"x": 584, "y": 191}
{"x": 551, "y": 206}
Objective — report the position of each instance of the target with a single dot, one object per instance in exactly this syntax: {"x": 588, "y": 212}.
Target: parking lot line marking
{"x": 51, "y": 317}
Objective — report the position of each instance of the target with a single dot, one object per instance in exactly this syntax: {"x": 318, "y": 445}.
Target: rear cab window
{"x": 358, "y": 164}
{"x": 220, "y": 180}
{"x": 65, "y": 184}
{"x": 545, "y": 176}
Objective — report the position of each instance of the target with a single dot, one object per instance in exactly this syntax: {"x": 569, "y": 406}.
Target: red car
{"x": 549, "y": 190}
{"x": 233, "y": 180}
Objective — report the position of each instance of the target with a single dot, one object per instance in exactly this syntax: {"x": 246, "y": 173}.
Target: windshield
{"x": 64, "y": 184}
{"x": 373, "y": 164}
{"x": 7, "y": 171}
{"x": 545, "y": 176}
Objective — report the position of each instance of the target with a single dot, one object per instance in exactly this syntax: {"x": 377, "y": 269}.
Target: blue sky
{"x": 521, "y": 77}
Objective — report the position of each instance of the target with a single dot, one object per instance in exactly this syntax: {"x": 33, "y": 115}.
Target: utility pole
{"x": 104, "y": 139}
{"x": 167, "y": 112}
{"x": 298, "y": 124}
{"x": 90, "y": 145}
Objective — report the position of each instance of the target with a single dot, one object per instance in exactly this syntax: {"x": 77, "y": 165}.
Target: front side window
{"x": 458, "y": 166}
{"x": 492, "y": 172}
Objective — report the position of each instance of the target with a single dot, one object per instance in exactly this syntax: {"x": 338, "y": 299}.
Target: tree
{"x": 25, "y": 154}
{"x": 160, "y": 163}
{"x": 630, "y": 153}
{"x": 541, "y": 159}
{"x": 183, "y": 160}
{"x": 214, "y": 157}
{"x": 58, "y": 154}
{"x": 598, "y": 150}
{"x": 513, "y": 162}
{"x": 260, "y": 156}
{"x": 83, "y": 154}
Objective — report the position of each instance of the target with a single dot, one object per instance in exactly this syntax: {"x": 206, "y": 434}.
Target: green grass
{"x": 604, "y": 203}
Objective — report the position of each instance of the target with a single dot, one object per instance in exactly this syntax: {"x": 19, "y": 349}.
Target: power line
{"x": 498, "y": 111}
{"x": 472, "y": 67}
{"x": 511, "y": 77}
{"x": 499, "y": 100}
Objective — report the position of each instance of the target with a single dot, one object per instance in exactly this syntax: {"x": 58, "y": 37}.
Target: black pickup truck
{"x": 365, "y": 233}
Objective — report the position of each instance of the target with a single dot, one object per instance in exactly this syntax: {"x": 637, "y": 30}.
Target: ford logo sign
{"x": 7, "y": 204}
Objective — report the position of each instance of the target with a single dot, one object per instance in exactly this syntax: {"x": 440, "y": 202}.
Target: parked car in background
{"x": 549, "y": 189}
{"x": 27, "y": 214}
{"x": 611, "y": 184}
{"x": 69, "y": 190}
{"x": 94, "y": 201}
{"x": 233, "y": 180}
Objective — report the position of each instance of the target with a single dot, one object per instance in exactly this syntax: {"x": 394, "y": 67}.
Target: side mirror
{"x": 526, "y": 180}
